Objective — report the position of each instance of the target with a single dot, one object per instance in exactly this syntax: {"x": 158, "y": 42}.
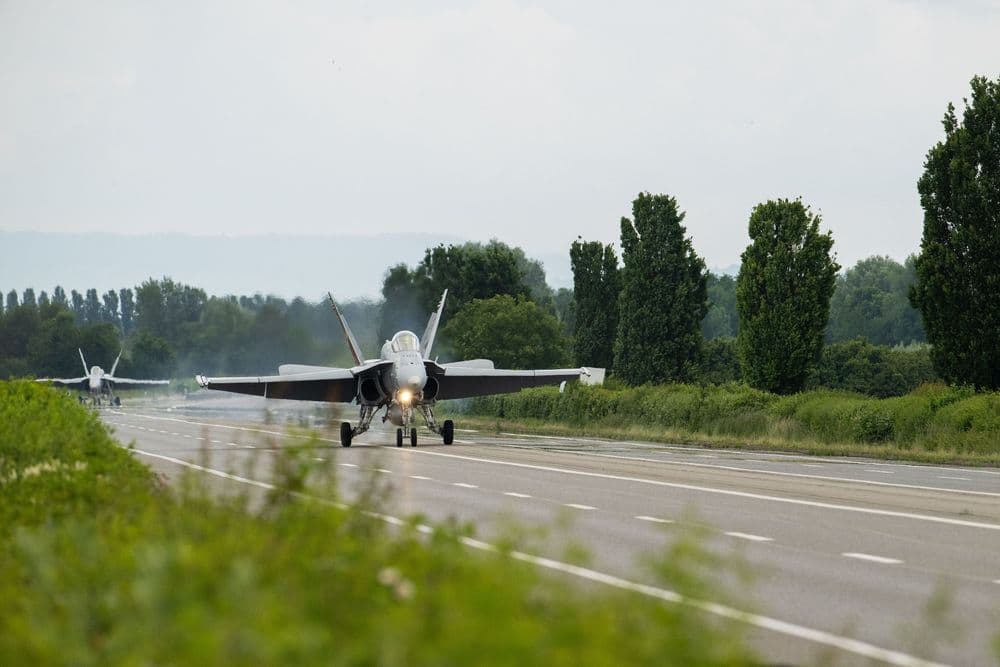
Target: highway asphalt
{"x": 854, "y": 561}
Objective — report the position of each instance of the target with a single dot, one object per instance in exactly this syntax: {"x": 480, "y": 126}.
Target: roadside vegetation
{"x": 102, "y": 564}
{"x": 933, "y": 423}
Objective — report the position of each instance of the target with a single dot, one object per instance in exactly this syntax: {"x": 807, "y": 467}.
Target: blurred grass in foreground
{"x": 100, "y": 564}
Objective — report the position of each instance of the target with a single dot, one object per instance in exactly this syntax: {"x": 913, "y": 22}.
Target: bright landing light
{"x": 405, "y": 396}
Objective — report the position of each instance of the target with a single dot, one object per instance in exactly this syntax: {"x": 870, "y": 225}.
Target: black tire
{"x": 399, "y": 437}
{"x": 448, "y": 431}
{"x": 413, "y": 437}
{"x": 118, "y": 401}
{"x": 345, "y": 434}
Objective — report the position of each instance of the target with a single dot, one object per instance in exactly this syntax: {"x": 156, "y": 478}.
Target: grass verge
{"x": 101, "y": 564}
{"x": 933, "y": 424}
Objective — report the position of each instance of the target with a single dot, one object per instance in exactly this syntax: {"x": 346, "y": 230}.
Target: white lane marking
{"x": 187, "y": 436}
{"x": 840, "y": 642}
{"x": 749, "y": 536}
{"x": 707, "y": 456}
{"x": 996, "y": 581}
{"x": 216, "y": 442}
{"x": 874, "y": 559}
{"x": 963, "y": 479}
{"x": 881, "y": 472}
{"x": 316, "y": 458}
{"x": 388, "y": 472}
{"x": 348, "y": 465}
{"x": 653, "y": 519}
{"x": 580, "y": 507}
{"x": 251, "y": 447}
{"x": 725, "y": 492}
{"x": 428, "y": 479}
{"x": 464, "y": 485}
{"x": 515, "y": 494}
{"x": 233, "y": 444}
{"x": 852, "y": 480}
{"x": 812, "y": 465}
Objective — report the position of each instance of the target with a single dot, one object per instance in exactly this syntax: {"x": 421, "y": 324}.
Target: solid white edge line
{"x": 869, "y": 557}
{"x": 749, "y": 536}
{"x": 803, "y": 475}
{"x": 727, "y": 492}
{"x": 848, "y": 644}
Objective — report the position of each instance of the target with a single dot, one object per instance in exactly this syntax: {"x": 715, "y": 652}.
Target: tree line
{"x": 651, "y": 316}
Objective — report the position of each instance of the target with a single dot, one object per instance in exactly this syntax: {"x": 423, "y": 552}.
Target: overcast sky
{"x": 533, "y": 122}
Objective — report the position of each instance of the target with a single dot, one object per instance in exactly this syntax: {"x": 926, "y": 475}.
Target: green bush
{"x": 933, "y": 417}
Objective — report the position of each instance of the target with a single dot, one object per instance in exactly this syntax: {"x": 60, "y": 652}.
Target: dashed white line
{"x": 233, "y": 444}
{"x": 388, "y": 472}
{"x": 874, "y": 559}
{"x": 996, "y": 581}
{"x": 963, "y": 479}
{"x": 348, "y": 465}
{"x": 881, "y": 472}
{"x": 316, "y": 458}
{"x": 856, "y": 646}
{"x": 216, "y": 442}
{"x": 577, "y": 506}
{"x": 749, "y": 536}
{"x": 427, "y": 479}
{"x": 812, "y": 465}
{"x": 515, "y": 494}
{"x": 653, "y": 519}
{"x": 707, "y": 456}
{"x": 464, "y": 485}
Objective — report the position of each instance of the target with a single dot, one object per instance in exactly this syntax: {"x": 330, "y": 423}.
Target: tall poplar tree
{"x": 663, "y": 296}
{"x": 958, "y": 270}
{"x": 595, "y": 291}
{"x": 783, "y": 296}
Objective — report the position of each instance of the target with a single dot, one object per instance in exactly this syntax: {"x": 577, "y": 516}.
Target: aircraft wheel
{"x": 448, "y": 431}
{"x": 345, "y": 434}
{"x": 399, "y": 437}
{"x": 413, "y": 437}
{"x": 118, "y": 401}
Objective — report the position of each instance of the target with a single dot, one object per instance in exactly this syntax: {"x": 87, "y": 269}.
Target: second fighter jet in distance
{"x": 403, "y": 380}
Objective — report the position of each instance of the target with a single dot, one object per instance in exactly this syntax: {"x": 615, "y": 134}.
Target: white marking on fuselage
{"x": 874, "y": 559}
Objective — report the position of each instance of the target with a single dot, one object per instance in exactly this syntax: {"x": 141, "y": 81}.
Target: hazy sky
{"x": 531, "y": 122}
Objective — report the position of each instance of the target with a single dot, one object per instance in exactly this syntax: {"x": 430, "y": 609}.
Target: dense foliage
{"x": 871, "y": 301}
{"x": 513, "y": 332}
{"x": 595, "y": 290}
{"x": 936, "y": 421}
{"x": 958, "y": 269}
{"x": 662, "y": 298}
{"x": 783, "y": 296}
{"x": 722, "y": 319}
{"x": 101, "y": 566}
{"x": 876, "y": 370}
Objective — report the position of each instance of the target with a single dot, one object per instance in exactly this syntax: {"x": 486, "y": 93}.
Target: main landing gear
{"x": 446, "y": 430}
{"x": 365, "y": 419}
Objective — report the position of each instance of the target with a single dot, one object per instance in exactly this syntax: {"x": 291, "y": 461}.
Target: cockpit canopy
{"x": 405, "y": 341}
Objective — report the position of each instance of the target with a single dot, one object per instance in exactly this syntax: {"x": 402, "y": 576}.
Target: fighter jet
{"x": 403, "y": 380}
{"x": 100, "y": 384}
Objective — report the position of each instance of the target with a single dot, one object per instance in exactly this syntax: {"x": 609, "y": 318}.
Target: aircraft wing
{"x": 64, "y": 381}
{"x": 333, "y": 385}
{"x": 130, "y": 381}
{"x": 461, "y": 381}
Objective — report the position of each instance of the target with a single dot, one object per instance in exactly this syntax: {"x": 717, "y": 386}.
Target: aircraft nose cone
{"x": 415, "y": 382}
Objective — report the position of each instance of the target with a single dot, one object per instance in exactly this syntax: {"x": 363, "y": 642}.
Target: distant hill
{"x": 350, "y": 266}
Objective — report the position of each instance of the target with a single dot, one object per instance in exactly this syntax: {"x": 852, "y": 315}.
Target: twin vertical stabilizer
{"x": 427, "y": 341}
{"x": 352, "y": 342}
